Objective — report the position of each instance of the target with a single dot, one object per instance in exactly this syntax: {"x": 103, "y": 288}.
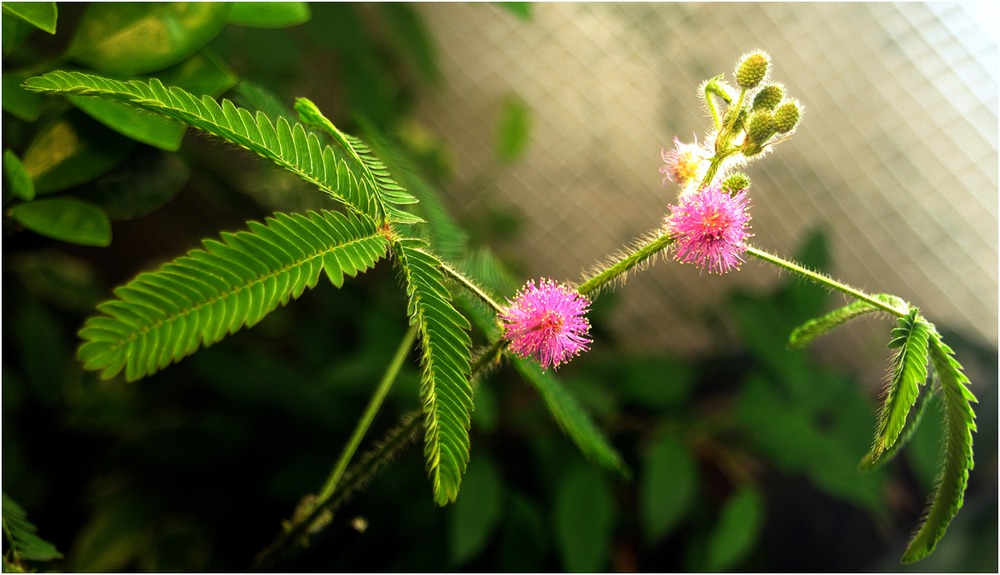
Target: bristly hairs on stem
{"x": 614, "y": 271}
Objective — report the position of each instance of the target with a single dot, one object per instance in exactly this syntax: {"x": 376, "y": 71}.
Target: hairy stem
{"x": 823, "y": 280}
{"x": 639, "y": 255}
{"x": 469, "y": 285}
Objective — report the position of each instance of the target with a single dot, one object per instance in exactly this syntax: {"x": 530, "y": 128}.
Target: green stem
{"x": 641, "y": 254}
{"x": 467, "y": 283}
{"x": 824, "y": 280}
{"x": 368, "y": 416}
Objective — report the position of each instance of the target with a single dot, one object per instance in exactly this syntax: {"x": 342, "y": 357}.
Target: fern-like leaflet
{"x": 909, "y": 371}
{"x": 289, "y": 146}
{"x": 194, "y": 301}
{"x": 959, "y": 424}
{"x": 446, "y": 351}
{"x": 804, "y": 334}
{"x": 23, "y": 543}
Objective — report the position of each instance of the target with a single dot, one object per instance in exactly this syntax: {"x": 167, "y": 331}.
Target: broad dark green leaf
{"x": 140, "y": 37}
{"x": 65, "y": 219}
{"x": 148, "y": 180}
{"x": 141, "y": 126}
{"x": 656, "y": 383}
{"x": 21, "y": 185}
{"x": 584, "y": 511}
{"x": 202, "y": 74}
{"x": 739, "y": 524}
{"x": 71, "y": 151}
{"x": 269, "y": 14}
{"x": 17, "y": 101}
{"x": 513, "y": 129}
{"x": 41, "y": 15}
{"x": 668, "y": 488}
{"x": 408, "y": 33}
{"x": 477, "y": 510}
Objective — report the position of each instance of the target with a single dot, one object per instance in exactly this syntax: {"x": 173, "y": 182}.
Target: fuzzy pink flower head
{"x": 710, "y": 228}
{"x": 547, "y": 322}
{"x": 683, "y": 163}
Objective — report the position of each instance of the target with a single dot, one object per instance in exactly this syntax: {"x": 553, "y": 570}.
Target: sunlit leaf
{"x": 41, "y": 15}
{"x": 959, "y": 424}
{"x": 71, "y": 151}
{"x": 269, "y": 14}
{"x": 65, "y": 219}
{"x": 142, "y": 37}
{"x": 20, "y": 182}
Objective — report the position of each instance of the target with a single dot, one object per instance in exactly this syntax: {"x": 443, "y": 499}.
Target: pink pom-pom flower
{"x": 547, "y": 322}
{"x": 710, "y": 228}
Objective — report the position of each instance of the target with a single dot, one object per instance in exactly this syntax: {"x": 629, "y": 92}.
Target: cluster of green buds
{"x": 758, "y": 113}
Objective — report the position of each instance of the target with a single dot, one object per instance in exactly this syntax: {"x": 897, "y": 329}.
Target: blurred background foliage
{"x": 743, "y": 459}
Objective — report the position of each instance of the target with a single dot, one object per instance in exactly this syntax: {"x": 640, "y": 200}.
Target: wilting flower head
{"x": 710, "y": 228}
{"x": 547, "y": 322}
{"x": 682, "y": 164}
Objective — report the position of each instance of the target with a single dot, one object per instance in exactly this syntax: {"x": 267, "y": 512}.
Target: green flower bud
{"x": 760, "y": 127}
{"x": 768, "y": 98}
{"x": 752, "y": 70}
{"x": 786, "y": 117}
{"x": 735, "y": 183}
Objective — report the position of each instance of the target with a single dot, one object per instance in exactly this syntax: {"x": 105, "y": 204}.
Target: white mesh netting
{"x": 896, "y": 156}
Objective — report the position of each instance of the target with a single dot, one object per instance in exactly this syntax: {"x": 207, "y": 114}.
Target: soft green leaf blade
{"x": 584, "y": 511}
{"x": 156, "y": 131}
{"x": 445, "y": 389}
{"x": 269, "y": 14}
{"x": 476, "y": 512}
{"x": 19, "y": 102}
{"x": 513, "y": 130}
{"x": 739, "y": 524}
{"x": 140, "y": 186}
{"x": 668, "y": 488}
{"x": 407, "y": 31}
{"x": 804, "y": 334}
{"x": 65, "y": 219}
{"x": 959, "y": 424}
{"x": 287, "y": 145}
{"x": 143, "y": 37}
{"x": 41, "y": 15}
{"x": 223, "y": 287}
{"x": 909, "y": 372}
{"x": 200, "y": 74}
{"x": 520, "y": 9}
{"x": 21, "y": 185}
{"x": 73, "y": 150}
{"x": 571, "y": 418}
{"x": 24, "y": 543}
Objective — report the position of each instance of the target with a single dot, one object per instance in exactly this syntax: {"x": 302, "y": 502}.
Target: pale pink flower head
{"x": 682, "y": 164}
{"x": 710, "y": 228}
{"x": 547, "y": 323}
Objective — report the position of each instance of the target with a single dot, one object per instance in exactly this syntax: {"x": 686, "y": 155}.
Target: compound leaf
{"x": 196, "y": 300}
